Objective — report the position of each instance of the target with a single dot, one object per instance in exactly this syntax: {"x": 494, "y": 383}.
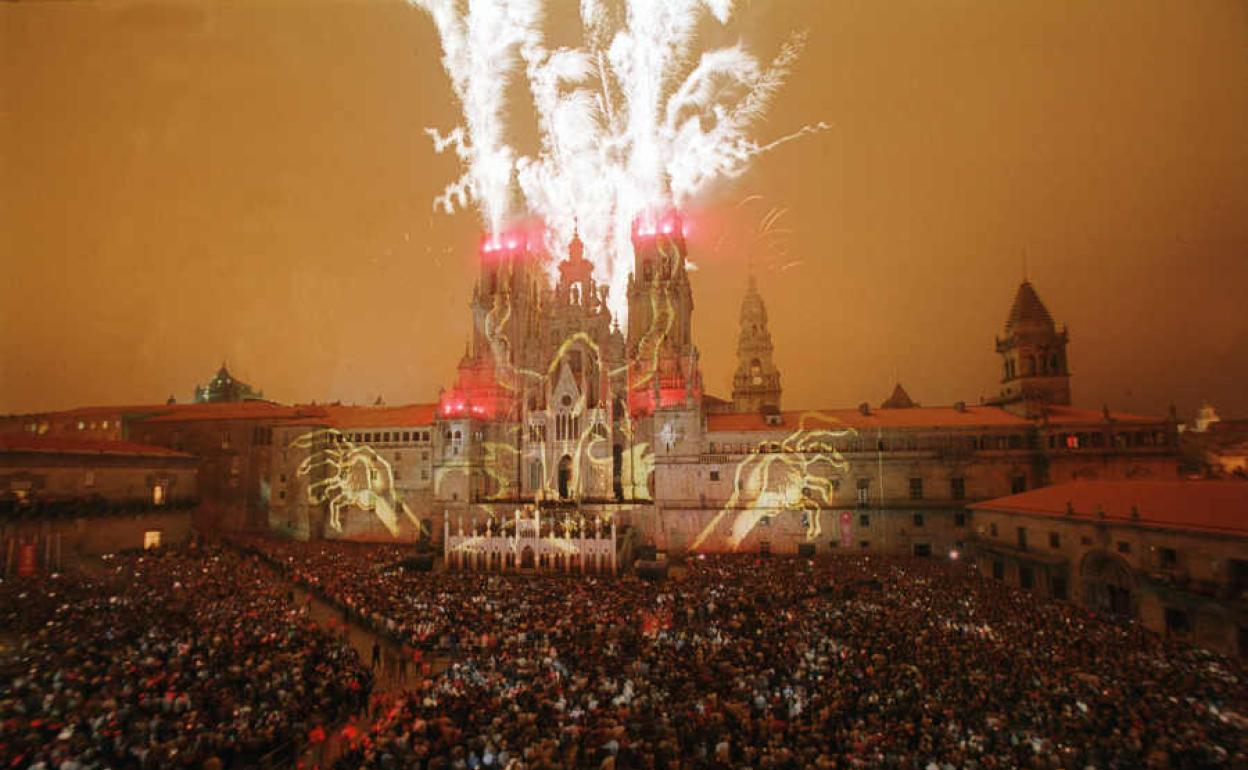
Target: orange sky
{"x": 182, "y": 182}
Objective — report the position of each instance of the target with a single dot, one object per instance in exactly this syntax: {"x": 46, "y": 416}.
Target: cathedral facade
{"x": 557, "y": 406}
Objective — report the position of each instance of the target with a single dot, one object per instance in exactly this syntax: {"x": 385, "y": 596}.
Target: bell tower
{"x": 1034, "y": 369}
{"x": 662, "y": 357}
{"x": 756, "y": 383}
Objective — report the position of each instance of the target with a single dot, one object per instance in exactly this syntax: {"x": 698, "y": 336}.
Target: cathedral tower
{"x": 663, "y": 367}
{"x": 1033, "y": 356}
{"x": 756, "y": 383}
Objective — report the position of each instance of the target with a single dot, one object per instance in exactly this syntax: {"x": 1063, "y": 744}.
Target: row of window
{"x": 957, "y": 487}
{"x": 383, "y": 437}
{"x": 1139, "y": 438}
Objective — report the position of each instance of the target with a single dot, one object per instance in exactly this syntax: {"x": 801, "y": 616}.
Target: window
{"x": 398, "y": 456}
{"x": 1026, "y": 578}
{"x": 158, "y": 494}
{"x": 281, "y": 495}
{"x": 864, "y": 520}
{"x": 1018, "y": 485}
{"x": 992, "y": 529}
{"x": 225, "y": 439}
{"x": 396, "y": 474}
{"x": 1169, "y": 557}
{"x": 88, "y": 479}
{"x": 1057, "y": 587}
{"x": 923, "y": 549}
{"x": 916, "y": 489}
{"x": 1177, "y": 621}
{"x": 1072, "y": 441}
{"x": 715, "y": 475}
{"x": 1124, "y": 546}
{"x": 1055, "y": 540}
{"x": 1238, "y": 569}
{"x": 424, "y": 475}
{"x": 151, "y": 539}
{"x": 864, "y": 491}
{"x": 959, "y": 519}
{"x": 283, "y": 478}
{"x": 864, "y": 543}
{"x": 957, "y": 488}
{"x": 1022, "y": 538}
{"x": 424, "y": 456}
{"x": 385, "y": 436}
{"x": 998, "y": 569}
{"x": 918, "y": 519}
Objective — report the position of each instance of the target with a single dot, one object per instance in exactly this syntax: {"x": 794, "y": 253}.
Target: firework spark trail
{"x": 630, "y": 124}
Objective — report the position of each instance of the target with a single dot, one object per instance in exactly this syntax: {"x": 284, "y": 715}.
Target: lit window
{"x": 82, "y": 425}
{"x": 151, "y": 539}
{"x": 158, "y": 496}
{"x": 1072, "y": 441}
{"x": 88, "y": 479}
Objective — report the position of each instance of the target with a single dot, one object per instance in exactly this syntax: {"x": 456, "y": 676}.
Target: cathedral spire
{"x": 756, "y": 382}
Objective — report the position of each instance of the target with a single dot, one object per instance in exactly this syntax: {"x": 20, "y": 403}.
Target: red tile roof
{"x": 18, "y": 442}
{"x": 1073, "y": 415}
{"x": 912, "y": 417}
{"x": 238, "y": 410}
{"x": 1204, "y": 506}
{"x": 339, "y": 416}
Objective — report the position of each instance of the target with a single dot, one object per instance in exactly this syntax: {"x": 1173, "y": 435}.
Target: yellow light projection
{"x": 354, "y": 475}
{"x": 792, "y": 475}
{"x": 591, "y": 450}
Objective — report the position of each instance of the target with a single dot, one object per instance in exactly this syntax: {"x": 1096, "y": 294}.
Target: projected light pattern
{"x": 630, "y": 123}
{"x": 794, "y": 474}
{"x": 352, "y": 475}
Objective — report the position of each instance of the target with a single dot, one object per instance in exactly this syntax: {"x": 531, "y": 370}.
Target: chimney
{"x": 864, "y": 408}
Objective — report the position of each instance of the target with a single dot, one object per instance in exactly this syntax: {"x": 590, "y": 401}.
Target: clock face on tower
{"x": 758, "y": 379}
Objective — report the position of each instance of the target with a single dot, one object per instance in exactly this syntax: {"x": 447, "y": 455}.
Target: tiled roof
{"x": 18, "y": 442}
{"x": 1205, "y": 506}
{"x": 1072, "y": 415}
{"x": 912, "y": 417}
{"x": 1028, "y": 311}
{"x": 339, "y": 416}
{"x": 899, "y": 399}
{"x": 236, "y": 410}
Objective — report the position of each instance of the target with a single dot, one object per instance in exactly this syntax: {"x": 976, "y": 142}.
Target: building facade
{"x": 559, "y": 405}
{"x": 65, "y": 499}
{"x": 1172, "y": 554}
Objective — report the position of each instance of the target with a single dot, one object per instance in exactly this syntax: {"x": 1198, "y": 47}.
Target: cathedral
{"x": 560, "y": 408}
{"x": 557, "y": 406}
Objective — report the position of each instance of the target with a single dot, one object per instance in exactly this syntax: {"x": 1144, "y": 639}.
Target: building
{"x": 553, "y": 406}
{"x": 1214, "y": 447}
{"x": 63, "y": 499}
{"x": 355, "y": 472}
{"x": 223, "y": 388}
{"x": 556, "y": 404}
{"x": 1172, "y": 554}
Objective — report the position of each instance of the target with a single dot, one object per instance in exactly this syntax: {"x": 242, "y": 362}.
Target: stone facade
{"x": 64, "y": 500}
{"x": 1173, "y": 555}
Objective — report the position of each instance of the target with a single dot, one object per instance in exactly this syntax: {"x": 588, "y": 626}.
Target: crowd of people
{"x": 853, "y": 662}
{"x": 174, "y": 658}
